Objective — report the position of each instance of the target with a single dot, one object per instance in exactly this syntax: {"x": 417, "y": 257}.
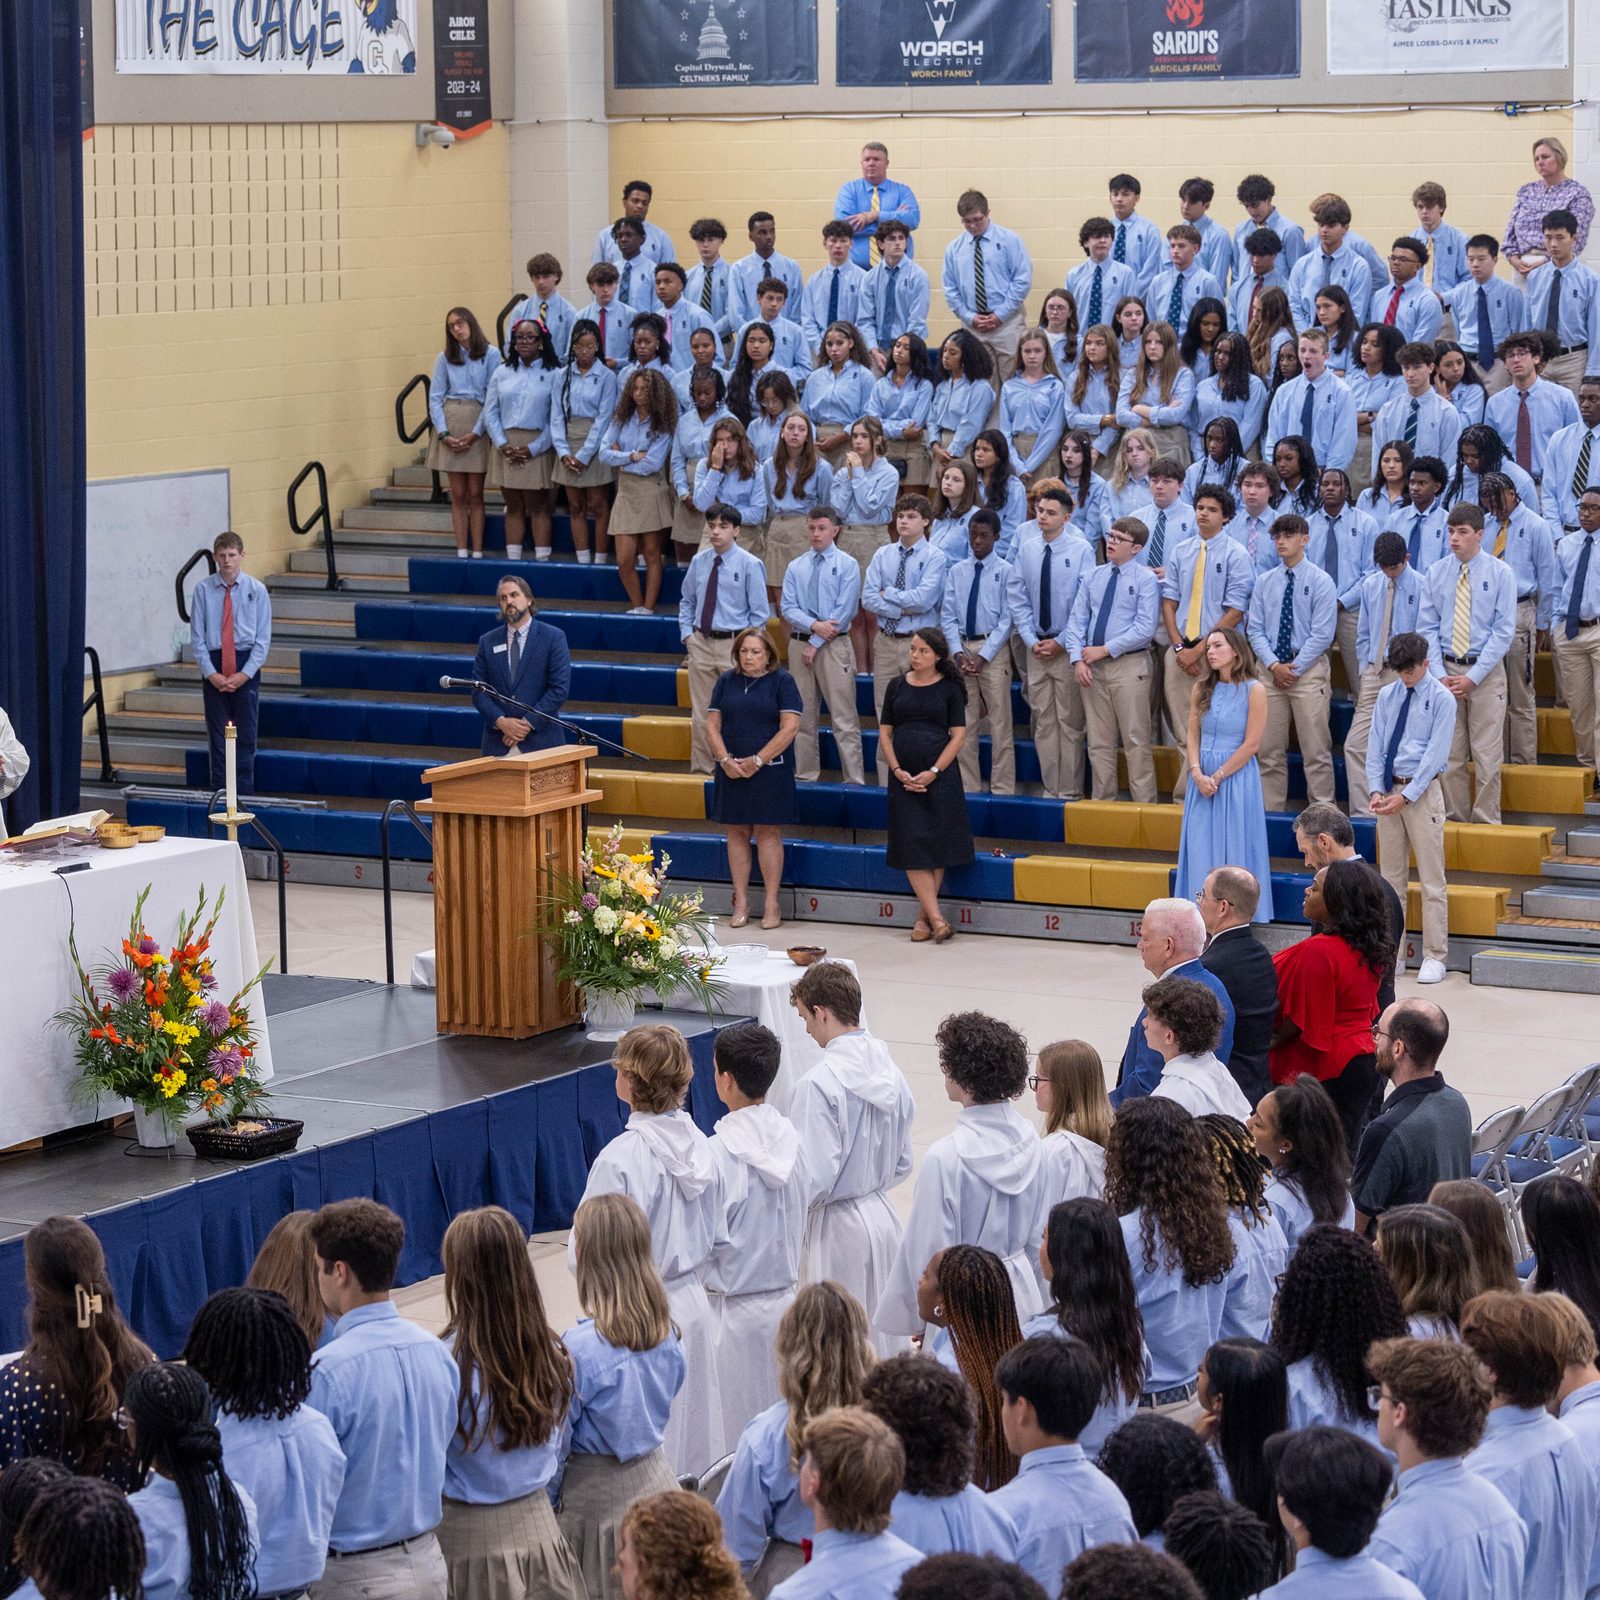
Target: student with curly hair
{"x": 82, "y": 1541}
{"x": 1116, "y": 1571}
{"x": 252, "y": 1352}
{"x": 1162, "y": 1184}
{"x": 1262, "y": 1250}
{"x": 671, "y": 1548}
{"x": 1335, "y": 1300}
{"x": 1227, "y": 1549}
{"x": 980, "y": 1184}
{"x": 824, "y": 1355}
{"x": 1430, "y": 1264}
{"x": 972, "y": 1578}
{"x": 938, "y": 1507}
{"x": 1297, "y": 1132}
{"x": 1155, "y": 1461}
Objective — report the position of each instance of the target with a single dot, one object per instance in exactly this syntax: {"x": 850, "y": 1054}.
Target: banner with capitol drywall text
{"x": 712, "y": 44}
{"x": 1146, "y": 41}
{"x": 942, "y": 43}
{"x": 1381, "y": 36}
{"x": 251, "y": 37}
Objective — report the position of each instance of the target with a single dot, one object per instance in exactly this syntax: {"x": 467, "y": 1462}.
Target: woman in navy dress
{"x": 754, "y": 716}
{"x": 1224, "y": 819}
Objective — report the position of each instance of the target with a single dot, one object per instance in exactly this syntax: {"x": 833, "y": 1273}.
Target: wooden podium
{"x": 505, "y": 828}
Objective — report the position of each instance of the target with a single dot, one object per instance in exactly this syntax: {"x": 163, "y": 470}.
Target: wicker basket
{"x": 275, "y": 1136}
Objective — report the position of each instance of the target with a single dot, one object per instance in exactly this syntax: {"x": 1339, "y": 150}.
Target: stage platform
{"x": 428, "y": 1124}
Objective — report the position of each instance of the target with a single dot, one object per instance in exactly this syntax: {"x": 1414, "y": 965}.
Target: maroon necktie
{"x": 708, "y": 606}
{"x": 1394, "y": 306}
{"x": 1524, "y": 433}
{"x": 230, "y": 658}
{"x": 602, "y": 333}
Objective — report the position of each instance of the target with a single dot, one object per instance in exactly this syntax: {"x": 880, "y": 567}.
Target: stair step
{"x": 363, "y": 564}
{"x": 1568, "y": 903}
{"x": 313, "y": 605}
{"x": 1583, "y": 841}
{"x": 399, "y": 519}
{"x": 357, "y": 585}
{"x": 1565, "y": 972}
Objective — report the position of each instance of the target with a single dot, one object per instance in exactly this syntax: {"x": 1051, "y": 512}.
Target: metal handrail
{"x": 219, "y": 798}
{"x": 411, "y": 435}
{"x": 500, "y": 321}
{"x": 184, "y": 571}
{"x": 426, "y": 830}
{"x": 321, "y": 515}
{"x": 97, "y": 702}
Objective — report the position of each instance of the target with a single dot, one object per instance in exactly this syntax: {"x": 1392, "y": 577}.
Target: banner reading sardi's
{"x": 1138, "y": 41}
{"x": 261, "y": 36}
{"x": 942, "y": 43}
{"x": 1447, "y": 35}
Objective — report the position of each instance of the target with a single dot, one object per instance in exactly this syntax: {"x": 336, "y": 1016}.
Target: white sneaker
{"x": 640, "y": 611}
{"x": 543, "y": 552}
{"x": 1431, "y": 972}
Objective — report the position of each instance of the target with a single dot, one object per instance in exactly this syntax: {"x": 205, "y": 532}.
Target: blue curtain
{"x": 42, "y": 399}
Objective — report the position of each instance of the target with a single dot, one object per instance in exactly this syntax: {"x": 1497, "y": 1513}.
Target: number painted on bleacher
{"x": 1052, "y": 922}
{"x": 813, "y": 902}
{"x": 966, "y": 916}
{"x": 430, "y": 877}
{"x": 358, "y": 871}
{"x": 886, "y": 908}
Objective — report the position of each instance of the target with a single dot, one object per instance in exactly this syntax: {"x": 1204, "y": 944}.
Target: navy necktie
{"x": 1307, "y": 409}
{"x": 1580, "y": 577}
{"x": 972, "y": 600}
{"x": 1045, "y": 618}
{"x": 1485, "y": 331}
{"x": 1414, "y": 550}
{"x": 833, "y": 298}
{"x": 1103, "y": 615}
{"x": 887, "y": 329}
{"x": 1394, "y": 740}
{"x": 1094, "y": 298}
{"x": 1552, "y": 310}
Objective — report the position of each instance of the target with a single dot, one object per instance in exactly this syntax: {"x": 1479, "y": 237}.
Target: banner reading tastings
{"x": 248, "y": 37}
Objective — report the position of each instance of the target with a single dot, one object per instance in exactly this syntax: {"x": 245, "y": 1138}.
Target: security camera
{"x": 431, "y": 133}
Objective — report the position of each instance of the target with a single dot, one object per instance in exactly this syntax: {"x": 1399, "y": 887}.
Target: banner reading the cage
{"x": 931, "y": 44}
{"x": 249, "y": 37}
{"x": 1447, "y": 35}
{"x": 1147, "y": 41}
{"x": 712, "y": 44}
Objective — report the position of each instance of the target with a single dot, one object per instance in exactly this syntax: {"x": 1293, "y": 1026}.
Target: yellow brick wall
{"x": 1044, "y": 175}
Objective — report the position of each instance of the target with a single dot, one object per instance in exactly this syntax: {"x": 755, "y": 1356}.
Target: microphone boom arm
{"x": 582, "y": 735}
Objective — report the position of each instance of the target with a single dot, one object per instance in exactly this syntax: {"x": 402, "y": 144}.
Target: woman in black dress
{"x": 920, "y": 731}
{"x": 754, "y": 716}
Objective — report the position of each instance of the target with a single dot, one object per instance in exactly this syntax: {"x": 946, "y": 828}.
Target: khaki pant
{"x": 989, "y": 700}
{"x": 706, "y": 659}
{"x": 1117, "y": 703}
{"x": 412, "y": 1571}
{"x": 1178, "y": 691}
{"x": 1360, "y": 736}
{"x": 1580, "y": 675}
{"x": 1305, "y": 703}
{"x": 1058, "y": 729}
{"x": 1522, "y": 716}
{"x": 1567, "y": 370}
{"x": 831, "y": 677}
{"x": 1344, "y": 639}
{"x": 1418, "y": 830}
{"x": 890, "y": 659}
{"x": 1498, "y": 377}
{"x": 1479, "y": 738}
{"x": 1002, "y": 345}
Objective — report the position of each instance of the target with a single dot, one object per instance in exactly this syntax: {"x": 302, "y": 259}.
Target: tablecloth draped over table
{"x": 37, "y": 909}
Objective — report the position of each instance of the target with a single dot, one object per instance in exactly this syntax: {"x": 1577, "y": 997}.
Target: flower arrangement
{"x": 151, "y": 1028}
{"x": 621, "y": 932}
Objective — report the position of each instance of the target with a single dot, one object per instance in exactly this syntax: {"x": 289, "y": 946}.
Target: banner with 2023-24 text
{"x": 1447, "y": 35}
{"x": 712, "y": 44}
{"x": 942, "y": 43}
{"x": 1139, "y": 41}
{"x": 249, "y": 37}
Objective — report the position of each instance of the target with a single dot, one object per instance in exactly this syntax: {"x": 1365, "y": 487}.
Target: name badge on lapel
{"x": 498, "y": 650}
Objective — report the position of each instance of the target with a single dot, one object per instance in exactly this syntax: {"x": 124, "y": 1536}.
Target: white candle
{"x": 231, "y": 749}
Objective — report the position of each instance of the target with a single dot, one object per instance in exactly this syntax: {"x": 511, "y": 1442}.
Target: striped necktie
{"x": 1158, "y": 541}
{"x": 1461, "y": 623}
{"x": 980, "y": 291}
{"x": 705, "y": 290}
{"x": 1411, "y": 422}
{"x": 876, "y": 251}
{"x": 1580, "y": 478}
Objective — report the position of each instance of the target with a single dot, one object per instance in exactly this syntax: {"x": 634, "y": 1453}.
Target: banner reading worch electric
{"x": 712, "y": 44}
{"x": 1447, "y": 35}
{"x": 1139, "y": 41}
{"x": 260, "y": 36}
{"x": 942, "y": 43}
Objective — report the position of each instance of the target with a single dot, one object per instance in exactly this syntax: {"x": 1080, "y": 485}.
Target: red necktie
{"x": 1524, "y": 433}
{"x": 1394, "y": 306}
{"x": 230, "y": 658}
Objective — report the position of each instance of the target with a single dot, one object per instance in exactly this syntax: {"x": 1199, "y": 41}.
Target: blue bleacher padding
{"x": 1025, "y": 817}
{"x": 1288, "y": 890}
{"x": 989, "y": 877}
{"x": 865, "y": 808}
{"x": 696, "y": 857}
{"x": 550, "y": 580}
{"x": 1281, "y": 840}
{"x": 383, "y": 722}
{"x": 821, "y": 805}
{"x": 1297, "y": 777}
{"x": 465, "y": 624}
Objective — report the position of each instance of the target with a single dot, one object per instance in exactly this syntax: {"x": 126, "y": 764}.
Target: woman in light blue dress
{"x": 1224, "y": 819}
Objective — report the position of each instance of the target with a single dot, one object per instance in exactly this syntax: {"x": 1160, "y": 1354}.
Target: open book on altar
{"x": 80, "y": 825}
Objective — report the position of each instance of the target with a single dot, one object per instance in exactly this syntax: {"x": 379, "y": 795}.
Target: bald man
{"x": 1228, "y": 901}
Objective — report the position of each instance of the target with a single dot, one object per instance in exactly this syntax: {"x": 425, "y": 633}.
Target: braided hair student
{"x": 82, "y": 1541}
{"x": 253, "y": 1353}
{"x": 199, "y": 1527}
{"x": 22, "y": 1485}
{"x": 1262, "y": 1248}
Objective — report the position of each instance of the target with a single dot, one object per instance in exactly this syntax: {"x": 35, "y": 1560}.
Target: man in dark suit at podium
{"x": 1228, "y": 900}
{"x": 527, "y": 660}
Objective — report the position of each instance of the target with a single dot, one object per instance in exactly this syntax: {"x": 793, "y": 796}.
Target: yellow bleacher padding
{"x": 1159, "y": 827}
{"x": 679, "y": 795}
{"x": 1510, "y": 850}
{"x": 1167, "y": 760}
{"x": 1561, "y": 790}
{"x": 1108, "y": 824}
{"x": 1051, "y": 880}
{"x": 1476, "y": 910}
{"x": 1544, "y": 675}
{"x": 634, "y": 840}
{"x": 1555, "y": 732}
{"x": 1127, "y": 885}
{"x": 621, "y": 797}
{"x": 662, "y": 738}
{"x": 683, "y": 688}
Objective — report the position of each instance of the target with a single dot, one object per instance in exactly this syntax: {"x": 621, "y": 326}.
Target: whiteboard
{"x": 141, "y": 530}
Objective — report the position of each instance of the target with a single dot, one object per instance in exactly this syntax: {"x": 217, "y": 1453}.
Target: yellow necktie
{"x": 1197, "y": 590}
{"x": 1500, "y": 540}
{"x": 1461, "y": 625}
{"x": 877, "y": 254}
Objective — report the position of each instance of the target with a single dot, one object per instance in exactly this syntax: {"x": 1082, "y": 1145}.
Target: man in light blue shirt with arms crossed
{"x": 987, "y": 276}
{"x": 871, "y": 200}
{"x": 391, "y": 1391}
{"x": 894, "y": 297}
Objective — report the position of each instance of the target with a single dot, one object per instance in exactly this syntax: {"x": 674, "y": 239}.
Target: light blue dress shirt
{"x": 1447, "y": 256}
{"x": 747, "y": 496}
{"x": 763, "y": 430}
{"x": 166, "y": 1537}
{"x": 1373, "y": 599}
{"x": 1198, "y": 284}
{"x": 559, "y": 315}
{"x": 1315, "y": 269}
{"x": 760, "y": 1497}
{"x": 1097, "y": 401}
{"x": 1255, "y": 534}
{"x": 1471, "y": 400}
{"x": 1372, "y": 393}
{"x": 622, "y": 1398}
{"x": 1539, "y": 1466}
{"x": 1117, "y": 281}
{"x": 1508, "y": 312}
{"x": 915, "y": 604}
{"x": 1550, "y": 408}
{"x": 293, "y": 1470}
{"x": 1315, "y": 619}
{"x": 1013, "y": 514}
{"x": 1424, "y": 749}
{"x": 1530, "y": 552}
{"x": 1061, "y": 1505}
{"x": 1181, "y": 1322}
{"x": 1580, "y": 1412}
{"x": 463, "y": 380}
{"x": 1418, "y": 315}
{"x": 851, "y": 1566}
{"x": 894, "y": 300}
{"x": 1318, "y": 1576}
{"x": 788, "y": 347}
{"x": 690, "y": 441}
{"x": 519, "y": 397}
{"x": 1143, "y": 248}
{"x": 837, "y": 399}
{"x": 1216, "y": 249}
{"x": 1494, "y": 613}
{"x": 833, "y": 576}
{"x": 1007, "y": 273}
{"x": 899, "y": 406}
{"x": 1290, "y": 234}
{"x": 722, "y": 306}
{"x": 1313, "y": 1402}
{"x": 968, "y": 1521}
{"x": 1453, "y": 1534}
{"x": 1342, "y": 547}
{"x": 1036, "y": 408}
{"x": 1229, "y": 578}
{"x": 1091, "y": 512}
{"x": 657, "y": 246}
{"x": 1579, "y": 320}
{"x": 636, "y": 433}
{"x": 1568, "y": 553}
{"x": 1113, "y": 1410}
{"x": 1438, "y": 426}
{"x": 591, "y": 394}
{"x": 1294, "y": 1214}
{"x": 1333, "y": 419}
{"x": 1247, "y": 415}
{"x": 962, "y": 406}
{"x": 749, "y": 272}
{"x": 994, "y": 604}
{"x": 1428, "y": 529}
{"x": 1261, "y": 1252}
{"x": 865, "y": 495}
{"x": 1467, "y": 494}
{"x": 1071, "y": 560}
{"x": 798, "y": 498}
{"x": 488, "y": 1475}
{"x": 1135, "y": 613}
{"x": 617, "y": 345}
{"x": 1172, "y": 412}
{"x": 636, "y": 282}
{"x": 741, "y": 593}
{"x": 252, "y": 624}
{"x": 1245, "y": 292}
{"x": 813, "y": 308}
{"x": 1558, "y": 502}
{"x": 389, "y": 1388}
{"x": 896, "y": 203}
{"x": 1203, "y": 470}
{"x": 948, "y": 536}
{"x": 1173, "y": 523}
{"x": 684, "y": 319}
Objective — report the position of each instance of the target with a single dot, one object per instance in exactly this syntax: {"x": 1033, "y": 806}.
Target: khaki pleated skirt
{"x": 863, "y": 540}
{"x": 779, "y": 1560}
{"x": 644, "y": 503}
{"x": 1021, "y": 449}
{"x": 914, "y": 452}
{"x": 514, "y": 1551}
{"x": 595, "y": 1493}
{"x": 751, "y": 538}
{"x": 536, "y": 473}
{"x": 594, "y": 476}
{"x": 459, "y": 417}
{"x": 687, "y": 526}
{"x": 786, "y": 538}
{"x": 835, "y": 456}
{"x": 1173, "y": 442}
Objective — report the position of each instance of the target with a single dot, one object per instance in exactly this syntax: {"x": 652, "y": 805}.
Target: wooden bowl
{"x": 120, "y": 840}
{"x": 148, "y": 833}
{"x": 804, "y": 954}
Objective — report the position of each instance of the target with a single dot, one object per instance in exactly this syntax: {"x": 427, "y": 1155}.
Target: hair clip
{"x": 90, "y": 1306}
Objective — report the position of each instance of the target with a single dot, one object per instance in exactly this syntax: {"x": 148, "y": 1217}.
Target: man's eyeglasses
{"x": 1375, "y": 1396}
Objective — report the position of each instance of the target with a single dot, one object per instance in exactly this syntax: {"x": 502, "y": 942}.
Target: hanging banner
{"x": 1139, "y": 41}
{"x": 86, "y": 65}
{"x": 942, "y": 43}
{"x": 461, "y": 65}
{"x": 261, "y": 36}
{"x": 710, "y": 44}
{"x": 1446, "y": 35}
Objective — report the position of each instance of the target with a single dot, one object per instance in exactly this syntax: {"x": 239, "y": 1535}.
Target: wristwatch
{"x": 758, "y": 761}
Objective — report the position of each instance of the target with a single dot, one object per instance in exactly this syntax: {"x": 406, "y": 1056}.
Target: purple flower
{"x": 215, "y": 1016}
{"x": 123, "y": 982}
{"x": 148, "y": 946}
{"x": 225, "y": 1063}
{"x": 208, "y": 982}
{"x": 590, "y": 902}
